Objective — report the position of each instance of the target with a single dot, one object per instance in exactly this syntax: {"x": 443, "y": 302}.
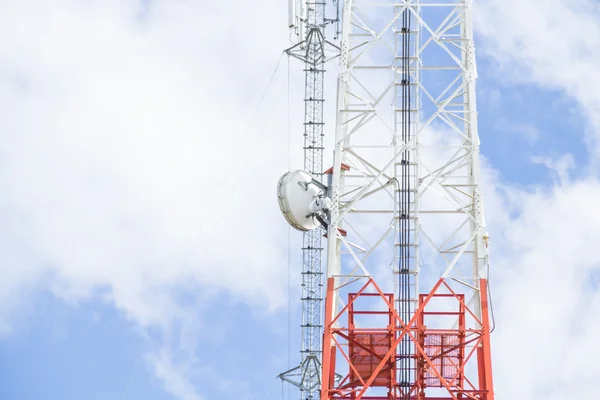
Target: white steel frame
{"x": 447, "y": 221}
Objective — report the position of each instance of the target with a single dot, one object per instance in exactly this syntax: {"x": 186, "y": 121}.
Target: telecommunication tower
{"x": 406, "y": 313}
{"x": 308, "y": 22}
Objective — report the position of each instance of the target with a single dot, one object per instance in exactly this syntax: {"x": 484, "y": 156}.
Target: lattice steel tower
{"x": 406, "y": 314}
{"x": 307, "y": 20}
{"x": 406, "y": 305}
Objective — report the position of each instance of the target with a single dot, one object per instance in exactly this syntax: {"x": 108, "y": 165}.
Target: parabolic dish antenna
{"x": 296, "y": 195}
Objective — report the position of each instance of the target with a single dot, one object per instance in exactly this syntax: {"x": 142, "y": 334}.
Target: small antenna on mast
{"x": 296, "y": 18}
{"x": 291, "y": 14}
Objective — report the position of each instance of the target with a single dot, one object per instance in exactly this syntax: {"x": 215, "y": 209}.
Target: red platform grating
{"x": 444, "y": 352}
{"x": 443, "y": 346}
{"x": 366, "y": 352}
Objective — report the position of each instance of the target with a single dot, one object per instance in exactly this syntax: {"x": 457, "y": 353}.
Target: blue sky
{"x": 72, "y": 352}
{"x": 115, "y": 286}
{"x": 90, "y": 350}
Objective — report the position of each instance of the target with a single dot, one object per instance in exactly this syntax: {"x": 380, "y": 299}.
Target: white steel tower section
{"x": 407, "y": 129}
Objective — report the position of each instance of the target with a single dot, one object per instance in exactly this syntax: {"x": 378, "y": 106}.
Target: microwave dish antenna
{"x": 302, "y": 200}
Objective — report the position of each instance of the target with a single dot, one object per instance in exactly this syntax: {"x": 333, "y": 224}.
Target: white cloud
{"x": 545, "y": 301}
{"x": 175, "y": 376}
{"x": 561, "y": 166}
{"x": 550, "y": 43}
{"x": 544, "y": 253}
{"x": 117, "y": 134}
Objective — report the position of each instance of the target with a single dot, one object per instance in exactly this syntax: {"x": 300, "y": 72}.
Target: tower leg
{"x": 328, "y": 370}
{"x": 484, "y": 355}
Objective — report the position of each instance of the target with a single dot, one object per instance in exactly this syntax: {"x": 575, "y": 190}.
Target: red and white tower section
{"x": 406, "y": 313}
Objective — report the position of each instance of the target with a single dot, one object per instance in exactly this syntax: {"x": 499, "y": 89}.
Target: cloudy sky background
{"x": 142, "y": 254}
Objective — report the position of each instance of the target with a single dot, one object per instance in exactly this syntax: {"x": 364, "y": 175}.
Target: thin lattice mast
{"x": 307, "y": 20}
{"x": 406, "y": 313}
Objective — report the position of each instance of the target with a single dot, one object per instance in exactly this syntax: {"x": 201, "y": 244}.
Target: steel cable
{"x": 249, "y": 157}
{"x": 404, "y": 291}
